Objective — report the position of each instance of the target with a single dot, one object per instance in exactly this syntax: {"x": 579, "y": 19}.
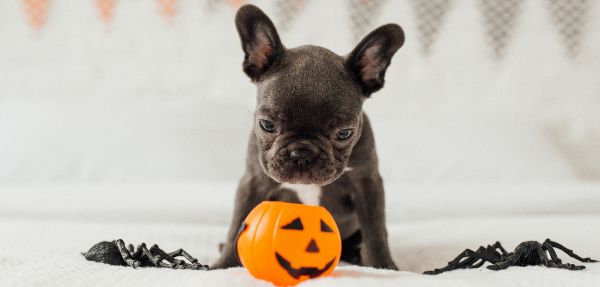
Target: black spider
{"x": 528, "y": 253}
{"x": 115, "y": 253}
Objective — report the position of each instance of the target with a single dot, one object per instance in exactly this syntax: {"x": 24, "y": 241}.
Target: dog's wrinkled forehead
{"x": 310, "y": 86}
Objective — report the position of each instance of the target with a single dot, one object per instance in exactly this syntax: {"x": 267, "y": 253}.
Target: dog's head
{"x": 309, "y": 104}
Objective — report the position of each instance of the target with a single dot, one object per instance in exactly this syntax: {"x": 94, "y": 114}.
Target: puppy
{"x": 311, "y": 142}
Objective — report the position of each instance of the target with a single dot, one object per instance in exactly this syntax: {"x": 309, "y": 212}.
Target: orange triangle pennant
{"x": 106, "y": 8}
{"x": 236, "y": 3}
{"x": 36, "y": 11}
{"x": 167, "y": 8}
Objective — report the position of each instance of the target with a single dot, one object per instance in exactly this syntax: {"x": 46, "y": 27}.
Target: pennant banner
{"x": 362, "y": 14}
{"x": 429, "y": 17}
{"x": 36, "y": 11}
{"x": 569, "y": 17}
{"x": 286, "y": 11}
{"x": 236, "y": 3}
{"x": 499, "y": 19}
{"x": 167, "y": 8}
{"x": 106, "y": 8}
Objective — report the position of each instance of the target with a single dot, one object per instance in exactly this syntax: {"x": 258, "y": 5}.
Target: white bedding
{"x": 45, "y": 229}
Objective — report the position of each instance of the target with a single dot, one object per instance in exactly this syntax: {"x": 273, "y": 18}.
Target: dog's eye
{"x": 344, "y": 134}
{"x": 267, "y": 126}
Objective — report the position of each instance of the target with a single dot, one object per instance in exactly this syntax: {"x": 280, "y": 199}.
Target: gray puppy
{"x": 311, "y": 141}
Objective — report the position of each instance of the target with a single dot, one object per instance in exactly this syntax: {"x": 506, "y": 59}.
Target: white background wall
{"x": 142, "y": 101}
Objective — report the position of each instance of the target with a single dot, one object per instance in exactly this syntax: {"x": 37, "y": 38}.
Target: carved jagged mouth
{"x": 311, "y": 272}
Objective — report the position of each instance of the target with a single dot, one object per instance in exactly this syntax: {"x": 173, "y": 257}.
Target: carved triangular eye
{"x": 296, "y": 224}
{"x": 325, "y": 227}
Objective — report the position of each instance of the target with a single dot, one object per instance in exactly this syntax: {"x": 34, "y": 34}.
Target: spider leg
{"x": 567, "y": 266}
{"x": 547, "y": 247}
{"x": 509, "y": 260}
{"x": 493, "y": 254}
{"x": 497, "y": 245}
{"x": 569, "y": 251}
{"x": 465, "y": 259}
{"x": 488, "y": 254}
{"x": 164, "y": 259}
{"x": 556, "y": 262}
{"x": 157, "y": 259}
{"x": 126, "y": 255}
{"x": 195, "y": 265}
{"x": 478, "y": 264}
{"x": 172, "y": 262}
{"x": 501, "y": 265}
{"x": 543, "y": 257}
{"x": 138, "y": 252}
{"x": 181, "y": 252}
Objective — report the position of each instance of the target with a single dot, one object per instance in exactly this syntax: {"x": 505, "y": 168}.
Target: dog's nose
{"x": 302, "y": 156}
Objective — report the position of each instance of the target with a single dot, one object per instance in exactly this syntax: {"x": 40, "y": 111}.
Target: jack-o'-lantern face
{"x": 287, "y": 243}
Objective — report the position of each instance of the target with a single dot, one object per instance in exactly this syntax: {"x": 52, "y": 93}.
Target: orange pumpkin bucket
{"x": 287, "y": 243}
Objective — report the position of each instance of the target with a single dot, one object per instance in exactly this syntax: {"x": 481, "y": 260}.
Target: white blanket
{"x": 42, "y": 236}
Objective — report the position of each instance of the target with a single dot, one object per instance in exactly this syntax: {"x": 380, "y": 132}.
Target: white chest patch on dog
{"x": 309, "y": 194}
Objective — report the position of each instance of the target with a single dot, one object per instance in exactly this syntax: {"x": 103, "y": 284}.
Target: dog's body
{"x": 311, "y": 142}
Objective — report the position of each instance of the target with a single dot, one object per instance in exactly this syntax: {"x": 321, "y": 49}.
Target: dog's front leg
{"x": 370, "y": 211}
{"x": 246, "y": 199}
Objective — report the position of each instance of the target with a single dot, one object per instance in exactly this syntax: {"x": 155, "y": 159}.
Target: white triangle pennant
{"x": 362, "y": 14}
{"x": 429, "y": 17}
{"x": 570, "y": 17}
{"x": 499, "y": 19}
{"x": 286, "y": 12}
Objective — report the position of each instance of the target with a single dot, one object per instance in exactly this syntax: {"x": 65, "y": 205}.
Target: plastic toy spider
{"x": 115, "y": 253}
{"x": 528, "y": 253}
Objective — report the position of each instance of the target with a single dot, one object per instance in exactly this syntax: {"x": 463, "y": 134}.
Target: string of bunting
{"x": 36, "y": 11}
{"x": 499, "y": 17}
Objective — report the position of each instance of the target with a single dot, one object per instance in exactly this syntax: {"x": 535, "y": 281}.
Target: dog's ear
{"x": 260, "y": 41}
{"x": 371, "y": 57}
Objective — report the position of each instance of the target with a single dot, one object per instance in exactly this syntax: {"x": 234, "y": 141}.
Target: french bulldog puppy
{"x": 311, "y": 142}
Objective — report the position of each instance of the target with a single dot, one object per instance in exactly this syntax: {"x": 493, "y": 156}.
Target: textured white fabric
{"x": 213, "y": 203}
{"x": 44, "y": 229}
{"x": 46, "y": 253}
